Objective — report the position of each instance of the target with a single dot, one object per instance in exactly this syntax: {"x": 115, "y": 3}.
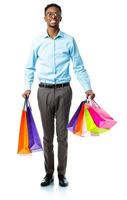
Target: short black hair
{"x": 53, "y": 5}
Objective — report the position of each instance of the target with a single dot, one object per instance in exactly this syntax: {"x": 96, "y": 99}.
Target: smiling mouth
{"x": 53, "y": 21}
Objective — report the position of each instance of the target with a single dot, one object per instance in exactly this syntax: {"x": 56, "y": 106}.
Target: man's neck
{"x": 52, "y": 32}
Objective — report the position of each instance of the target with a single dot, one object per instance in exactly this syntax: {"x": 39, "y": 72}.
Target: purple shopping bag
{"x": 34, "y": 139}
{"x": 72, "y": 123}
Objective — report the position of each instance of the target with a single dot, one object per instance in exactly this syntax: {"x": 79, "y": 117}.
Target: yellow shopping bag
{"x": 91, "y": 126}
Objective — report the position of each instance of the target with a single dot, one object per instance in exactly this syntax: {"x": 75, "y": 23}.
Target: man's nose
{"x": 53, "y": 16}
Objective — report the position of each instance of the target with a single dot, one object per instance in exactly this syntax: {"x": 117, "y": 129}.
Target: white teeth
{"x": 53, "y": 21}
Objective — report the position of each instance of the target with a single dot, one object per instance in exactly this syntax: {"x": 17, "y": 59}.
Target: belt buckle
{"x": 44, "y": 85}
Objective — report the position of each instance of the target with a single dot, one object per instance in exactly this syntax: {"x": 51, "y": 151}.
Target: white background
{"x": 97, "y": 167}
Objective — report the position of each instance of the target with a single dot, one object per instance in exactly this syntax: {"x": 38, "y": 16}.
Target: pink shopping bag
{"x": 101, "y": 118}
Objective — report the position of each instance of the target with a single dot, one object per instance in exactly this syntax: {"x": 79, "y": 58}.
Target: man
{"x": 50, "y": 56}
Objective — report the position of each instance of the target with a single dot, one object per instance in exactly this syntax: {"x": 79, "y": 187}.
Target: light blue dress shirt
{"x": 51, "y": 60}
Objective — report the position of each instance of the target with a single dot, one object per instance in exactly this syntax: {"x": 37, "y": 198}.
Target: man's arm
{"x": 80, "y": 70}
{"x": 29, "y": 72}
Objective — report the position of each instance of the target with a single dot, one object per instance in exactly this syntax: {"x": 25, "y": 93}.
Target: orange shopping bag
{"x": 80, "y": 128}
{"x": 23, "y": 143}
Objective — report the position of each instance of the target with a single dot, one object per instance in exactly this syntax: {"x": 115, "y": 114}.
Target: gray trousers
{"x": 55, "y": 103}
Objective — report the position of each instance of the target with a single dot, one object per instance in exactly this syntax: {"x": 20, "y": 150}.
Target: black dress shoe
{"x": 48, "y": 179}
{"x": 62, "y": 181}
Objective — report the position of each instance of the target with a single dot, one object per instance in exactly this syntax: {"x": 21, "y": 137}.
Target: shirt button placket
{"x": 54, "y": 62}
{"x": 54, "y": 74}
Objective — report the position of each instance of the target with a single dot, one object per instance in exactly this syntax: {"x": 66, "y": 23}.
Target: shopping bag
{"x": 34, "y": 139}
{"x": 91, "y": 126}
{"x": 72, "y": 123}
{"x": 23, "y": 142}
{"x": 82, "y": 121}
{"x": 101, "y": 118}
{"x": 80, "y": 127}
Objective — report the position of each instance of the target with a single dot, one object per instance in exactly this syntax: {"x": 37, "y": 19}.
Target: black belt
{"x": 53, "y": 85}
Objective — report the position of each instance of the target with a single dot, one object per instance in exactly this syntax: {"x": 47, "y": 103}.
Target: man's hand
{"x": 89, "y": 93}
{"x": 26, "y": 94}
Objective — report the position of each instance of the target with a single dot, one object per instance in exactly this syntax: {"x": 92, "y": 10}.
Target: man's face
{"x": 53, "y": 17}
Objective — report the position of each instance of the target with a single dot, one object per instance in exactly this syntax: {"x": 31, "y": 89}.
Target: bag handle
{"x": 86, "y": 102}
{"x": 26, "y": 104}
{"x": 95, "y": 103}
{"x": 92, "y": 102}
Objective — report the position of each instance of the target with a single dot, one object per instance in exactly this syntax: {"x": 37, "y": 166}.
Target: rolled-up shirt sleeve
{"x": 78, "y": 66}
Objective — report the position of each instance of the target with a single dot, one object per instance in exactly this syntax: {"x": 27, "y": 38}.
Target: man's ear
{"x": 60, "y": 18}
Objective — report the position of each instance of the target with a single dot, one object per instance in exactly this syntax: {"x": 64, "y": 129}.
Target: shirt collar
{"x": 60, "y": 34}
